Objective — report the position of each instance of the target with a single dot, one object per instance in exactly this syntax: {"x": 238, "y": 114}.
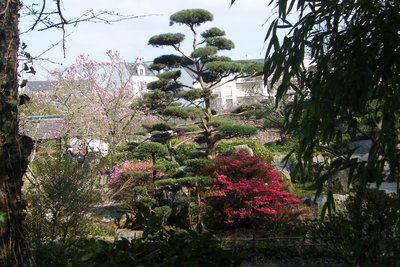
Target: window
{"x": 229, "y": 104}
{"x": 228, "y": 90}
{"x": 141, "y": 71}
{"x": 142, "y": 87}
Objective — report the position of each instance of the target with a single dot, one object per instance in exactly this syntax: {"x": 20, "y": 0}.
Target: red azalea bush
{"x": 249, "y": 189}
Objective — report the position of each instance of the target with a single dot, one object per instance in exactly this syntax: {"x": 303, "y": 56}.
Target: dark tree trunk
{"x": 209, "y": 134}
{"x": 210, "y": 149}
{"x": 14, "y": 149}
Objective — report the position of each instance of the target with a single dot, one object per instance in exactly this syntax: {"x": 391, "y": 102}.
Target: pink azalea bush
{"x": 128, "y": 174}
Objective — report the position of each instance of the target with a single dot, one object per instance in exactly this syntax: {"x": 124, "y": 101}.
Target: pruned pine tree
{"x": 195, "y": 182}
{"x": 152, "y": 150}
{"x": 172, "y": 99}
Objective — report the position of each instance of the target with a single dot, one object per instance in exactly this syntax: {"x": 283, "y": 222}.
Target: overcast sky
{"x": 244, "y": 23}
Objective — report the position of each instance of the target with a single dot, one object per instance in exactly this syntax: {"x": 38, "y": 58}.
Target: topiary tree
{"x": 188, "y": 186}
{"x": 163, "y": 132}
{"x": 170, "y": 98}
{"x": 153, "y": 150}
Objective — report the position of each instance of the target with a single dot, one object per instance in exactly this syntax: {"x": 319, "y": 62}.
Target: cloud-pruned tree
{"x": 172, "y": 99}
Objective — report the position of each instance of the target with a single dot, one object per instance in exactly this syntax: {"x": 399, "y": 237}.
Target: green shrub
{"x": 183, "y": 151}
{"x": 281, "y": 148}
{"x": 98, "y": 231}
{"x": 60, "y": 196}
{"x": 258, "y": 149}
{"x": 366, "y": 233}
{"x": 163, "y": 248}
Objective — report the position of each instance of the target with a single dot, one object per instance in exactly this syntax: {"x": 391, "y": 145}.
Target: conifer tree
{"x": 172, "y": 99}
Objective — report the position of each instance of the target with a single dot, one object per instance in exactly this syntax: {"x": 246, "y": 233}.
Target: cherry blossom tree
{"x": 95, "y": 99}
{"x": 15, "y": 148}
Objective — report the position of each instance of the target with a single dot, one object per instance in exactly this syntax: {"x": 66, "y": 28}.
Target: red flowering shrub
{"x": 247, "y": 188}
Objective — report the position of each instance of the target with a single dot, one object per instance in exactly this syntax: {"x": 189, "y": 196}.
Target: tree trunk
{"x": 171, "y": 151}
{"x": 394, "y": 164}
{"x": 14, "y": 149}
{"x": 210, "y": 149}
{"x": 209, "y": 134}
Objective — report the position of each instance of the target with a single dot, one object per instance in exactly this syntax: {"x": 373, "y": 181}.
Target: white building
{"x": 231, "y": 94}
{"x": 240, "y": 92}
{"x": 140, "y": 75}
{"x": 246, "y": 90}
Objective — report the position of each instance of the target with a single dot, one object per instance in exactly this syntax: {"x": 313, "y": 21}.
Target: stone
{"x": 319, "y": 159}
{"x": 244, "y": 148}
{"x": 387, "y": 187}
{"x": 360, "y": 149}
{"x": 339, "y": 182}
{"x": 287, "y": 181}
{"x": 321, "y": 200}
{"x": 127, "y": 234}
{"x": 277, "y": 159}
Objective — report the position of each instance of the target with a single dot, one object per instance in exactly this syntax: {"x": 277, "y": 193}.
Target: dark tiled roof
{"x": 37, "y": 86}
{"x": 43, "y": 127}
{"x": 190, "y": 73}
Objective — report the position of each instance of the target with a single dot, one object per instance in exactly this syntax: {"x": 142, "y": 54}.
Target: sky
{"x": 245, "y": 23}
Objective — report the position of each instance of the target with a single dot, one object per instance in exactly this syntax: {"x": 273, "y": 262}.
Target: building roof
{"x": 133, "y": 68}
{"x": 39, "y": 86}
{"x": 43, "y": 127}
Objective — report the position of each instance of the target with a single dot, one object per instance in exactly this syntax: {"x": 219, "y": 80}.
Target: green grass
{"x": 280, "y": 148}
{"x": 304, "y": 189}
{"x": 98, "y": 231}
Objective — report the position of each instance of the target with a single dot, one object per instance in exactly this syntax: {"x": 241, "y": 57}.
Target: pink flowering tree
{"x": 248, "y": 190}
{"x": 125, "y": 176}
{"x": 94, "y": 99}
